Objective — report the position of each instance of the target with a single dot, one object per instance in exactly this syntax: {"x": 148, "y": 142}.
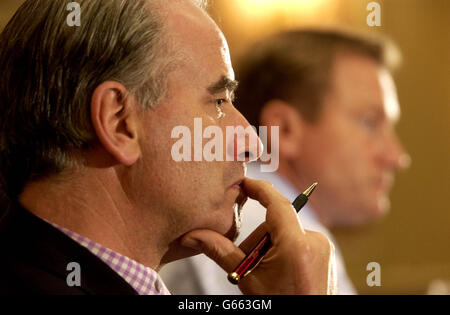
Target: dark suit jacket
{"x": 34, "y": 257}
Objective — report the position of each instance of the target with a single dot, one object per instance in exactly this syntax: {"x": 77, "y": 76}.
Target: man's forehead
{"x": 390, "y": 99}
{"x": 188, "y": 22}
{"x": 364, "y": 84}
{"x": 193, "y": 33}
{"x": 201, "y": 47}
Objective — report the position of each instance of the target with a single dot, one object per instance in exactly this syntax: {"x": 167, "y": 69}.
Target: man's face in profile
{"x": 189, "y": 195}
{"x": 353, "y": 150}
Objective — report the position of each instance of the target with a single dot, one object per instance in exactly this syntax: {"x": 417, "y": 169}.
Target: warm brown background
{"x": 412, "y": 244}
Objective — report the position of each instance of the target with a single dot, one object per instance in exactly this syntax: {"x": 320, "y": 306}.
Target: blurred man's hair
{"x": 296, "y": 66}
{"x": 50, "y": 71}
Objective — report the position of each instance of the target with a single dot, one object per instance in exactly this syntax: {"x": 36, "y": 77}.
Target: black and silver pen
{"x": 255, "y": 256}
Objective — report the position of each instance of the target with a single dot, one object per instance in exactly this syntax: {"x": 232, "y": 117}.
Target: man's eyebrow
{"x": 222, "y": 85}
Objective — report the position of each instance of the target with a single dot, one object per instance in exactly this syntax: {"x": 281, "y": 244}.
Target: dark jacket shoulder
{"x": 35, "y": 258}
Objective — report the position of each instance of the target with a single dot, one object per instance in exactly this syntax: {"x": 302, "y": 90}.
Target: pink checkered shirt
{"x": 144, "y": 280}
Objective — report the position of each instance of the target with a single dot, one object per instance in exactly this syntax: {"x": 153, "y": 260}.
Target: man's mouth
{"x": 384, "y": 184}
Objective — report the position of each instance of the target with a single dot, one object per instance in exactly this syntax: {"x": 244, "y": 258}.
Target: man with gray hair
{"x": 98, "y": 203}
{"x": 331, "y": 94}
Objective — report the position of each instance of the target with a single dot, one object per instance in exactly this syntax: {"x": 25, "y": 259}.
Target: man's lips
{"x": 384, "y": 183}
{"x": 242, "y": 196}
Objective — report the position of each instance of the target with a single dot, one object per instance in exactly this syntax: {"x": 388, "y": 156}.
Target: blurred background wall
{"x": 412, "y": 244}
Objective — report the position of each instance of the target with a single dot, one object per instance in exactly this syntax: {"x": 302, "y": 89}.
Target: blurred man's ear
{"x": 290, "y": 123}
{"x": 115, "y": 121}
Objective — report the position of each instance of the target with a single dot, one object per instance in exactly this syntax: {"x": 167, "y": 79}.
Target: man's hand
{"x": 299, "y": 262}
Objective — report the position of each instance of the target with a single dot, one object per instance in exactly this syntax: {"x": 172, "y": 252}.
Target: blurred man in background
{"x": 332, "y": 96}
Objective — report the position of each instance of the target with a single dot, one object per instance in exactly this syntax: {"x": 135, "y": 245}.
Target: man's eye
{"x": 369, "y": 122}
{"x": 219, "y": 102}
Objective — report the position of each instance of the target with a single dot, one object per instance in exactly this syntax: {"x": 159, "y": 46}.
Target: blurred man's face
{"x": 188, "y": 195}
{"x": 353, "y": 150}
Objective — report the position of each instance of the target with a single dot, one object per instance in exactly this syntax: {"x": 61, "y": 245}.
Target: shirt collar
{"x": 143, "y": 279}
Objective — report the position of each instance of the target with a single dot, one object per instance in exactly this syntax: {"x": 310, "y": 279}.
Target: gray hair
{"x": 50, "y": 70}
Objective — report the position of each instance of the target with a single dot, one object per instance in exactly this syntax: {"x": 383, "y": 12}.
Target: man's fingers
{"x": 254, "y": 237}
{"x": 215, "y": 246}
{"x": 280, "y": 212}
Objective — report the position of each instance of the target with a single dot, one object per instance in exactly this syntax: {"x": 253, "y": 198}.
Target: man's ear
{"x": 288, "y": 119}
{"x": 115, "y": 121}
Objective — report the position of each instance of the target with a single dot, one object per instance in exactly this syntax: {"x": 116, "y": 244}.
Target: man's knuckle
{"x": 267, "y": 185}
{"x": 320, "y": 241}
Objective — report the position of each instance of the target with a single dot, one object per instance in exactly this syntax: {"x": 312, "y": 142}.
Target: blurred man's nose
{"x": 394, "y": 154}
{"x": 243, "y": 142}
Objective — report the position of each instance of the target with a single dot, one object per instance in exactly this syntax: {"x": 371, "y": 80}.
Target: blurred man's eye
{"x": 369, "y": 122}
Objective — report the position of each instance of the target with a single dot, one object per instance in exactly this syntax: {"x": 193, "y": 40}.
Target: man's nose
{"x": 395, "y": 155}
{"x": 243, "y": 142}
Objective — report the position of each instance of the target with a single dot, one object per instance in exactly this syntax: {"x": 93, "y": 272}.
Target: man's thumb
{"x": 215, "y": 246}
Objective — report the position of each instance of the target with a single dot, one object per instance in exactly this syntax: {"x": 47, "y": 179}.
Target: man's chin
{"x": 384, "y": 204}
{"x": 176, "y": 252}
{"x": 374, "y": 212}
